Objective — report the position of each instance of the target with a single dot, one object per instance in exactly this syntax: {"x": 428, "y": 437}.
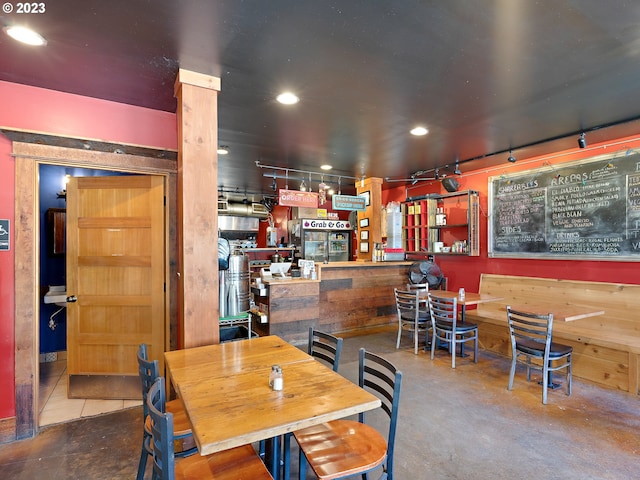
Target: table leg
{"x": 550, "y": 384}
{"x": 463, "y": 310}
{"x": 273, "y": 453}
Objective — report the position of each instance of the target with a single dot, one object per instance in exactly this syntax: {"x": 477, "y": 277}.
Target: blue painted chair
{"x": 148, "y": 371}
{"x": 240, "y": 463}
{"x": 327, "y": 348}
{"x": 343, "y": 448}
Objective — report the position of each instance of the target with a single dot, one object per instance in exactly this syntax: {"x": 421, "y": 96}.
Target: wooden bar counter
{"x": 346, "y": 296}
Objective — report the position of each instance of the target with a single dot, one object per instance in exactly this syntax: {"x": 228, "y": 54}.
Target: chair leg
{"x": 302, "y": 469}
{"x": 513, "y": 370}
{"x": 475, "y": 350}
{"x": 416, "y": 337}
{"x": 142, "y": 464}
{"x": 287, "y": 456}
{"x": 399, "y": 335}
{"x": 545, "y": 382}
{"x": 569, "y": 376}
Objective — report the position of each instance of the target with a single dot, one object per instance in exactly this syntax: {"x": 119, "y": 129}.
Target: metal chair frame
{"x": 384, "y": 380}
{"x": 447, "y": 329}
{"x": 149, "y": 371}
{"x": 413, "y": 316}
{"x": 531, "y": 339}
{"x": 328, "y": 348}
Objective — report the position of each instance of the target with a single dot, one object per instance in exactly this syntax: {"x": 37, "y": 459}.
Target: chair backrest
{"x": 530, "y": 329}
{"x": 443, "y": 310}
{"x": 384, "y": 380}
{"x": 149, "y": 371}
{"x": 409, "y": 306}
{"x": 325, "y": 347}
{"x": 418, "y": 286}
{"x": 161, "y": 433}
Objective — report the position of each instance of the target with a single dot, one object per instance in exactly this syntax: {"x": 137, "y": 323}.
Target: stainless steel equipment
{"x": 234, "y": 285}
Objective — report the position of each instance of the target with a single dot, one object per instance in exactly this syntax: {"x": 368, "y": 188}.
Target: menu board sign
{"x": 587, "y": 209}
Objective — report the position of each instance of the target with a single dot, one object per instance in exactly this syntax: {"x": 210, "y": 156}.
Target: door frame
{"x": 28, "y": 158}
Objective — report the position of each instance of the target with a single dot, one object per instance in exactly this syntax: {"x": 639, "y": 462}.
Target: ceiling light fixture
{"x": 511, "y": 158}
{"x": 223, "y": 150}
{"x": 303, "y": 185}
{"x": 582, "y": 142}
{"x": 326, "y": 167}
{"x": 419, "y": 131}
{"x": 288, "y": 98}
{"x": 25, "y": 35}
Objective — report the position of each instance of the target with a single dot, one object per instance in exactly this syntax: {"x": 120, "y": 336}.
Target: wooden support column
{"x": 372, "y": 186}
{"x": 197, "y": 224}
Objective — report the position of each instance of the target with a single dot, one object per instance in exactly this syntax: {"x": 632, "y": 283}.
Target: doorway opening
{"x": 28, "y": 158}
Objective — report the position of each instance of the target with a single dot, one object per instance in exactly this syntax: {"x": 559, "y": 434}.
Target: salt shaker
{"x": 461, "y": 294}
{"x": 278, "y": 380}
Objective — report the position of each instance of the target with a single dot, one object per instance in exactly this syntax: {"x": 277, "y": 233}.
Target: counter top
{"x": 361, "y": 264}
{"x": 296, "y": 280}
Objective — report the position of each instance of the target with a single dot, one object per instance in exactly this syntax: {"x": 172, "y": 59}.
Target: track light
{"x": 274, "y": 184}
{"x": 511, "y": 158}
{"x": 457, "y": 170}
{"x": 437, "y": 175}
{"x": 582, "y": 142}
{"x": 303, "y": 186}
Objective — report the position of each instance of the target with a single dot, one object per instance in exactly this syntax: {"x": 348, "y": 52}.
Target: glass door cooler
{"x": 322, "y": 240}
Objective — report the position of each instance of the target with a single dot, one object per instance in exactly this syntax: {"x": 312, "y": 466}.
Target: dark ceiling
{"x": 483, "y": 76}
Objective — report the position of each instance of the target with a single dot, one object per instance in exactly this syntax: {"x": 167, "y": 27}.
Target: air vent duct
{"x": 242, "y": 209}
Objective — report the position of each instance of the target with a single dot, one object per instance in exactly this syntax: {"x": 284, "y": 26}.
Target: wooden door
{"x": 116, "y": 270}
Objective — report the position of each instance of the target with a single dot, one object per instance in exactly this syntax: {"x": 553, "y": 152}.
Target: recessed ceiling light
{"x": 25, "y": 35}
{"x": 288, "y": 98}
{"x": 223, "y": 150}
{"x": 419, "y": 131}
{"x": 326, "y": 167}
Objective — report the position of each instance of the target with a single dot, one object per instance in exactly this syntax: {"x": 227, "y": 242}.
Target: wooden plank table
{"x": 226, "y": 393}
{"x": 562, "y": 313}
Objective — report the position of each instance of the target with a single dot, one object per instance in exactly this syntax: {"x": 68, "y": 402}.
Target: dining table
{"x": 229, "y": 402}
{"x": 470, "y": 298}
{"x": 561, "y": 313}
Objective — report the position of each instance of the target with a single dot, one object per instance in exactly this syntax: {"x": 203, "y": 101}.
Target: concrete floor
{"x": 460, "y": 423}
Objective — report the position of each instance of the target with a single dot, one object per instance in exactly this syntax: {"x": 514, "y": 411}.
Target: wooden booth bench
{"x": 606, "y": 347}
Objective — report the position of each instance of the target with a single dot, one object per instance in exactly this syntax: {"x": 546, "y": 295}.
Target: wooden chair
{"x": 413, "y": 316}
{"x": 184, "y": 445}
{"x": 531, "y": 339}
{"x": 342, "y": 448}
{"x": 448, "y": 330}
{"x": 327, "y": 348}
{"x": 240, "y": 463}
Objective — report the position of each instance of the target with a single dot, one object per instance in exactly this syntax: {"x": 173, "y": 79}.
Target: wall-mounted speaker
{"x": 450, "y": 184}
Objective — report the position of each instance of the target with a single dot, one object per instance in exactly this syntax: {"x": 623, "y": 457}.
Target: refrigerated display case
{"x": 322, "y": 240}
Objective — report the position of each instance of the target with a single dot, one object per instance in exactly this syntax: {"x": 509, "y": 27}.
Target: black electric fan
{"x": 426, "y": 271}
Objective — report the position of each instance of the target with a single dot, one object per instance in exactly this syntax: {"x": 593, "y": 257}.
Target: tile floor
{"x": 55, "y": 407}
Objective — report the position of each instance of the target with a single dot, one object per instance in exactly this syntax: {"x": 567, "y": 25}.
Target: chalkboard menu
{"x": 587, "y": 209}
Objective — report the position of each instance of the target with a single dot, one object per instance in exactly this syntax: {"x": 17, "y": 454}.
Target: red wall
{"x": 465, "y": 271}
{"x": 47, "y": 111}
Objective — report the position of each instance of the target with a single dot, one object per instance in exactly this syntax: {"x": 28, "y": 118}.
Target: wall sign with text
{"x": 589, "y": 209}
